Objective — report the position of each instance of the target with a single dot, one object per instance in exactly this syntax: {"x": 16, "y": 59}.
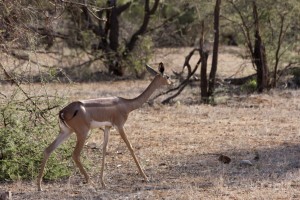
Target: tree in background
{"x": 106, "y": 23}
{"x": 132, "y": 28}
{"x": 110, "y": 36}
{"x": 32, "y": 30}
{"x": 92, "y": 26}
{"x": 269, "y": 30}
{"x": 208, "y": 87}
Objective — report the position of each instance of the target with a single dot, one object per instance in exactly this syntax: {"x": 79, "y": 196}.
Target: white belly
{"x": 95, "y": 124}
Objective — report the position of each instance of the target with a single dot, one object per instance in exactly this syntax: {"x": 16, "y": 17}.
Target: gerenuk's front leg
{"x": 124, "y": 137}
{"x": 105, "y": 142}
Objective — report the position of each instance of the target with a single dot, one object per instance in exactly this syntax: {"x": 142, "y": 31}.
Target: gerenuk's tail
{"x": 62, "y": 118}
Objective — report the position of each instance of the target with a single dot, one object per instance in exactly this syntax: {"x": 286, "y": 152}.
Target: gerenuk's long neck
{"x": 142, "y": 98}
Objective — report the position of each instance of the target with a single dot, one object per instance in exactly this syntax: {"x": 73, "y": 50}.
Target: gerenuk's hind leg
{"x": 81, "y": 137}
{"x": 63, "y": 135}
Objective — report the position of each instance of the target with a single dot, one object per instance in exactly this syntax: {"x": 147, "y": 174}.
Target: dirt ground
{"x": 179, "y": 145}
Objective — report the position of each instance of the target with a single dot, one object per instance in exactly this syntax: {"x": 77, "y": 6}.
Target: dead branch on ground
{"x": 185, "y": 82}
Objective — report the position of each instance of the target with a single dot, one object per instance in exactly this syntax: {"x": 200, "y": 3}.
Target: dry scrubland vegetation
{"x": 55, "y": 52}
{"x": 179, "y": 145}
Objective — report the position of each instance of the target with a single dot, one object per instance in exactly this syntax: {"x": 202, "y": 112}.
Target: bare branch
{"x": 143, "y": 27}
{"x": 282, "y": 33}
{"x": 184, "y": 83}
{"x": 244, "y": 27}
{"x": 88, "y": 6}
{"x": 14, "y": 81}
{"x": 85, "y": 5}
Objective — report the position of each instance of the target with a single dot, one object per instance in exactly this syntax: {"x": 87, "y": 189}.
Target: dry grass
{"x": 178, "y": 146}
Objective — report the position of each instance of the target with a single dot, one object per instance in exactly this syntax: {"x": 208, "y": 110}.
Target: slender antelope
{"x": 82, "y": 116}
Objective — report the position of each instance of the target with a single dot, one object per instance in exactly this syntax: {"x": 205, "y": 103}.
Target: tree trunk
{"x": 108, "y": 33}
{"x": 112, "y": 30}
{"x": 261, "y": 64}
{"x": 148, "y": 12}
{"x": 212, "y": 75}
{"x": 203, "y": 70}
{"x": 111, "y": 34}
{"x": 259, "y": 55}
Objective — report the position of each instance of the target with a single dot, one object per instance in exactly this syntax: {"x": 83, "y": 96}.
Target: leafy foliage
{"x": 28, "y": 121}
{"x": 250, "y": 86}
{"x": 140, "y": 55}
{"x": 26, "y": 129}
{"x": 273, "y": 16}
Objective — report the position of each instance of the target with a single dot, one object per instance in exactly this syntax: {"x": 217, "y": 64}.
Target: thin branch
{"x": 278, "y": 55}
{"x": 183, "y": 85}
{"x": 97, "y": 9}
{"x": 279, "y": 42}
{"x": 143, "y": 28}
{"x": 3, "y": 95}
{"x": 285, "y": 68}
{"x": 94, "y": 15}
{"x": 245, "y": 30}
{"x": 186, "y": 80}
{"x": 89, "y": 5}
{"x": 86, "y": 62}
{"x": 13, "y": 81}
{"x": 26, "y": 58}
{"x": 165, "y": 22}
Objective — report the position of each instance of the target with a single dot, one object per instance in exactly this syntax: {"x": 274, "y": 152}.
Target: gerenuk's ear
{"x": 151, "y": 70}
{"x": 161, "y": 68}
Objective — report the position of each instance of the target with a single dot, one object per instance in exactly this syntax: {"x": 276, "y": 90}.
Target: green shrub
{"x": 139, "y": 56}
{"x": 24, "y": 134}
{"x": 250, "y": 86}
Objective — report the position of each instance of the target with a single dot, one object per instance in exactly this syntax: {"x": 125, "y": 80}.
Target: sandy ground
{"x": 179, "y": 145}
